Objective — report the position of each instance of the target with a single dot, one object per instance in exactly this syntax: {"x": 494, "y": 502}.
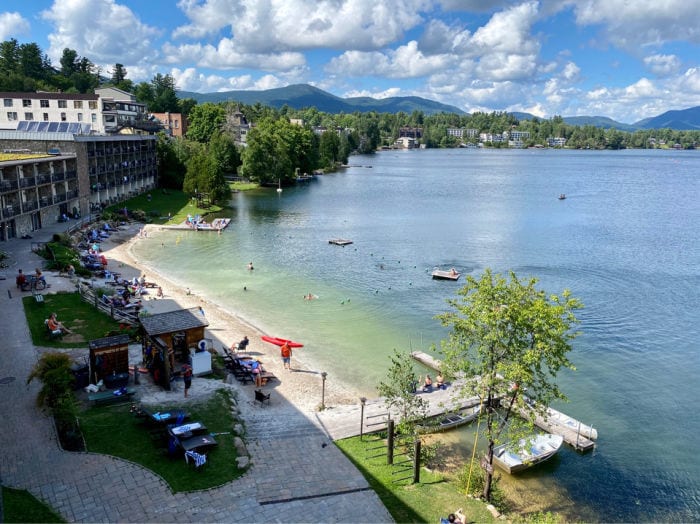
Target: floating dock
{"x": 578, "y": 435}
{"x": 440, "y": 274}
{"x": 340, "y": 241}
{"x": 217, "y": 224}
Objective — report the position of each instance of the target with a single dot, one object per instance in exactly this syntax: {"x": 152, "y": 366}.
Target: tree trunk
{"x": 488, "y": 472}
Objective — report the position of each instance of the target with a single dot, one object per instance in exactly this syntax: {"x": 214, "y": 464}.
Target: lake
{"x": 625, "y": 241}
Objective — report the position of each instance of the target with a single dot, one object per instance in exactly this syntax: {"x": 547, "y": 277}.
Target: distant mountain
{"x": 300, "y": 96}
{"x": 684, "y": 119}
{"x": 599, "y": 121}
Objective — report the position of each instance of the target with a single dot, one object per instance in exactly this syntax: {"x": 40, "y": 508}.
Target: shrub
{"x": 475, "y": 485}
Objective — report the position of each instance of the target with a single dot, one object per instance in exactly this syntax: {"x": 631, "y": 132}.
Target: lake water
{"x": 625, "y": 241}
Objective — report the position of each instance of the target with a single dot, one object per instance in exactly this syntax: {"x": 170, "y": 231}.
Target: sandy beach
{"x": 301, "y": 387}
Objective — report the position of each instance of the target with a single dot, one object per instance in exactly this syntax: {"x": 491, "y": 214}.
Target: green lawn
{"x": 434, "y": 497}
{"x": 113, "y": 430}
{"x": 164, "y": 201}
{"x": 86, "y": 322}
{"x": 21, "y": 506}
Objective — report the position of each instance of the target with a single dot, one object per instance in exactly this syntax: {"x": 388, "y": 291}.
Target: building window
{"x": 11, "y": 115}
{"x": 176, "y": 122}
{"x": 43, "y": 103}
{"x": 26, "y": 102}
{"x": 7, "y": 102}
{"x": 62, "y": 104}
{"x": 77, "y": 104}
{"x": 92, "y": 104}
{"x": 63, "y": 117}
{"x": 46, "y": 117}
{"x": 93, "y": 116}
{"x": 80, "y": 117}
{"x": 29, "y": 116}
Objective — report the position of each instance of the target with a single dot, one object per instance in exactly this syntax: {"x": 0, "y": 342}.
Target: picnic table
{"x": 112, "y": 396}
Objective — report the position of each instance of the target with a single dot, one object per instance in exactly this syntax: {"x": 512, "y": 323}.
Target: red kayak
{"x": 280, "y": 342}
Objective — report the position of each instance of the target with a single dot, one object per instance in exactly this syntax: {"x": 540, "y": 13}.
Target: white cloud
{"x": 278, "y": 25}
{"x": 385, "y": 93}
{"x": 630, "y": 24}
{"x": 101, "y": 30}
{"x": 12, "y": 25}
{"x": 662, "y": 65}
{"x": 191, "y": 80}
{"x": 405, "y": 62}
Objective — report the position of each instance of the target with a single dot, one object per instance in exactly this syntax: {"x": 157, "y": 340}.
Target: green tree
{"x": 69, "y": 62}
{"x": 119, "y": 79}
{"x": 164, "y": 95}
{"x": 515, "y": 338}
{"x": 329, "y": 148}
{"x": 224, "y": 152}
{"x": 399, "y": 391}
{"x": 205, "y": 120}
{"x": 171, "y": 167}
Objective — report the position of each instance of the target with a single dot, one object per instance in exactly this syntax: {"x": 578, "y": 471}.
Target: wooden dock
{"x": 440, "y": 274}
{"x": 578, "y": 435}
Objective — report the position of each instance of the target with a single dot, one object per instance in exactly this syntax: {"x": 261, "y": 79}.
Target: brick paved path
{"x": 294, "y": 478}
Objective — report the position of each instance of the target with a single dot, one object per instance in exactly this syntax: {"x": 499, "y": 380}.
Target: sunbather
{"x": 56, "y": 327}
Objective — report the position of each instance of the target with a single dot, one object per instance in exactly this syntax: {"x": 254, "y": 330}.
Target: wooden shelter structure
{"x": 169, "y": 339}
{"x": 109, "y": 356}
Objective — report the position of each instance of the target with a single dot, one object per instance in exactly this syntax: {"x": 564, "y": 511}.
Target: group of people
{"x": 23, "y": 282}
{"x": 439, "y": 383}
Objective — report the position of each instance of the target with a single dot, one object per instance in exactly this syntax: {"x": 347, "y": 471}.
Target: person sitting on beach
{"x": 243, "y": 344}
{"x": 453, "y": 271}
{"x": 309, "y": 297}
{"x": 440, "y": 381}
{"x": 56, "y": 327}
{"x": 160, "y": 292}
{"x": 427, "y": 384}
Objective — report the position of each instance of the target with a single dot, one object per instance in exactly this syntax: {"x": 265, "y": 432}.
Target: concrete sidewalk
{"x": 293, "y": 477}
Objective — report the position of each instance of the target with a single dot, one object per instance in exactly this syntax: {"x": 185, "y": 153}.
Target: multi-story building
{"x": 175, "y": 124}
{"x": 51, "y": 174}
{"x": 51, "y": 111}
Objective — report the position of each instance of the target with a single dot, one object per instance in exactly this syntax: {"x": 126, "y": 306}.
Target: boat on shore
{"x": 449, "y": 420}
{"x": 527, "y": 453}
{"x": 441, "y": 274}
{"x": 281, "y": 341}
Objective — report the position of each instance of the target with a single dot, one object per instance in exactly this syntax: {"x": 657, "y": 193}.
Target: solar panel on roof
{"x": 53, "y": 127}
{"x": 43, "y": 126}
{"x": 22, "y": 125}
{"x": 62, "y": 127}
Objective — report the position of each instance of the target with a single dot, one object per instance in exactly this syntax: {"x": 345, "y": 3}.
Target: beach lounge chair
{"x": 111, "y": 397}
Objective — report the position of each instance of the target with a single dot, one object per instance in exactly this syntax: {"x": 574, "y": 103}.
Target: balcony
{"x": 45, "y": 201}
{"x": 57, "y": 177}
{"x": 29, "y": 205}
{"x": 10, "y": 211}
{"x": 70, "y": 175}
{"x": 8, "y": 185}
{"x": 72, "y": 194}
{"x": 43, "y": 179}
{"x": 27, "y": 181}
{"x": 59, "y": 198}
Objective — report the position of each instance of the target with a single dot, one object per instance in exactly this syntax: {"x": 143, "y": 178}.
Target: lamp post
{"x": 363, "y": 400}
{"x": 323, "y": 390}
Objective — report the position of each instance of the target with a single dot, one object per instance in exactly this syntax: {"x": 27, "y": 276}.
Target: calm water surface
{"x": 625, "y": 241}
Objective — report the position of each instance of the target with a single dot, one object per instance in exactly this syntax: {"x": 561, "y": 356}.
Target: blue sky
{"x": 625, "y": 59}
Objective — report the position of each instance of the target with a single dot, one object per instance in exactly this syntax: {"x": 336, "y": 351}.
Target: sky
{"x": 624, "y": 59}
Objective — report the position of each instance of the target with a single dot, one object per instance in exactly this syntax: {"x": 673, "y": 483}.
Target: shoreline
{"x": 301, "y": 387}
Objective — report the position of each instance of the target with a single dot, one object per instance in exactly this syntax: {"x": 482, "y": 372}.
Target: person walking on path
{"x": 187, "y": 377}
{"x": 286, "y": 353}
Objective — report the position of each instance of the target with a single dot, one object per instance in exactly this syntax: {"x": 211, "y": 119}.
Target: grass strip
{"x": 113, "y": 430}
{"x": 21, "y": 506}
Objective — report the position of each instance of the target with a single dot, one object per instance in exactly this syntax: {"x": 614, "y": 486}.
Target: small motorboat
{"x": 527, "y": 452}
{"x": 562, "y": 196}
{"x": 449, "y": 420}
{"x": 281, "y": 341}
{"x": 440, "y": 274}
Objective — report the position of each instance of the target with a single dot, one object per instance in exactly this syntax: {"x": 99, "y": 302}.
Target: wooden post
{"x": 578, "y": 430}
{"x": 362, "y": 415}
{"x": 390, "y": 442}
{"x": 416, "y": 462}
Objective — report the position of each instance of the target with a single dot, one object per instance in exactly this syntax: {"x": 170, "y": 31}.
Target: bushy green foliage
{"x": 54, "y": 371}
{"x": 471, "y": 480}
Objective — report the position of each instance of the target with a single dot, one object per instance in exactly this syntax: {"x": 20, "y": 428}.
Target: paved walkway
{"x": 294, "y": 476}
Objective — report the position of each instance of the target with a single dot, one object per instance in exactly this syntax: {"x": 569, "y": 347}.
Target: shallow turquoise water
{"x": 625, "y": 241}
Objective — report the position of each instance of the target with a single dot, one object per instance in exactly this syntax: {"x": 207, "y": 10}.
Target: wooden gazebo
{"x": 169, "y": 338}
{"x": 109, "y": 356}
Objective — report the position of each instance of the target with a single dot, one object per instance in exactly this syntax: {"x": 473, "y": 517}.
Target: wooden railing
{"x": 89, "y": 295}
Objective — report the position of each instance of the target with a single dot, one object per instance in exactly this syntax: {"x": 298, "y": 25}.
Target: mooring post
{"x": 323, "y": 390}
{"x": 578, "y": 430}
{"x": 390, "y": 442}
{"x": 362, "y": 415}
{"x": 416, "y": 461}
